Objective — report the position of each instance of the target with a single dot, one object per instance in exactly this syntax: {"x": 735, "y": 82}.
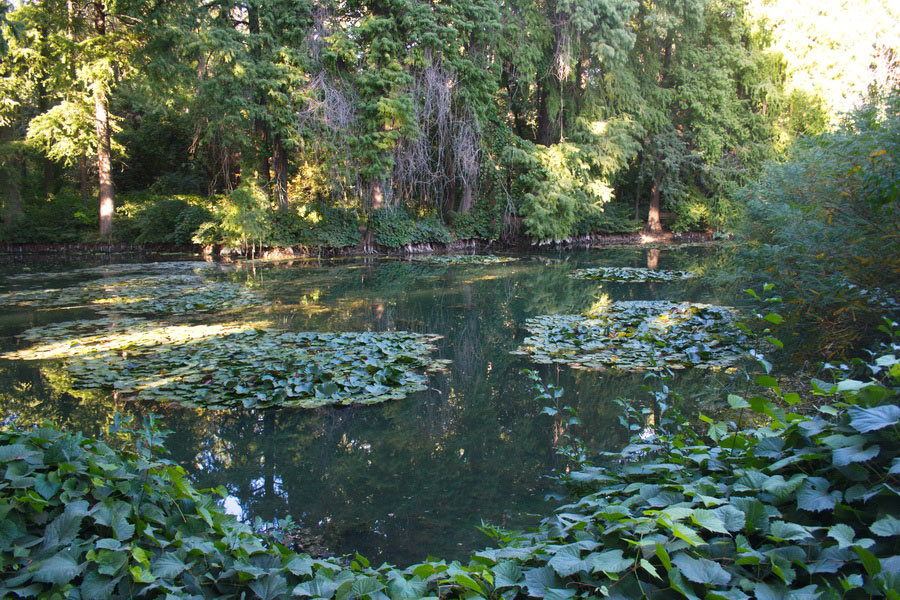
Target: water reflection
{"x": 413, "y": 477}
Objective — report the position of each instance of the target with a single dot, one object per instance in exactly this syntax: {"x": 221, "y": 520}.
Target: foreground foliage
{"x": 635, "y": 335}
{"x": 765, "y": 503}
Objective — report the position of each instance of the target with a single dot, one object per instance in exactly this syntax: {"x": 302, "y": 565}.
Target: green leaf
{"x": 610, "y": 561}
{"x": 815, "y": 497}
{"x": 843, "y": 533}
{"x": 320, "y": 587}
{"x": 507, "y": 574}
{"x": 59, "y": 569}
{"x": 854, "y": 454}
{"x": 870, "y": 561}
{"x": 270, "y": 587}
{"x": 865, "y": 420}
{"x": 782, "y": 530}
{"x": 708, "y": 520}
{"x": 731, "y": 517}
{"x": 701, "y": 570}
{"x": 168, "y": 566}
{"x": 567, "y": 561}
{"x": 886, "y": 527}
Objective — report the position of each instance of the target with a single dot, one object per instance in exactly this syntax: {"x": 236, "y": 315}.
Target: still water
{"x": 409, "y": 478}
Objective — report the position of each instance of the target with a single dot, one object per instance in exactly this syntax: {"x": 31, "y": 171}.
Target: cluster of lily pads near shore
{"x": 766, "y": 503}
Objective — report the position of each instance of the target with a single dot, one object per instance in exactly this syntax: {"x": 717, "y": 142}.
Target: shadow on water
{"x": 408, "y": 478}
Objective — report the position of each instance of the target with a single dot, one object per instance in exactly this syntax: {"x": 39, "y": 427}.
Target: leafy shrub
{"x": 62, "y": 217}
{"x": 336, "y": 228}
{"x": 481, "y": 223}
{"x": 145, "y": 218}
{"x": 828, "y": 219}
{"x": 394, "y": 228}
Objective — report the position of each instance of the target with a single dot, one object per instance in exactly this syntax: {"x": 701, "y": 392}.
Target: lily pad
{"x": 647, "y": 335}
{"x": 121, "y": 269}
{"x": 465, "y": 259}
{"x": 165, "y": 293}
{"x": 244, "y": 365}
{"x": 629, "y": 274}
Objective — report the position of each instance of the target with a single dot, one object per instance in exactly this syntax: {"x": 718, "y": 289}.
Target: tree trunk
{"x": 377, "y": 196}
{"x": 280, "y": 165}
{"x": 653, "y": 223}
{"x": 545, "y": 129}
{"x": 104, "y": 154}
{"x": 465, "y": 205}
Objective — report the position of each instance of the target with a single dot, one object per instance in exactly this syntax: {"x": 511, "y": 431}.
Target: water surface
{"x": 409, "y": 478}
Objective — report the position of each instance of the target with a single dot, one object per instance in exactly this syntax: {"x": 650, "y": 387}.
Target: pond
{"x": 408, "y": 476}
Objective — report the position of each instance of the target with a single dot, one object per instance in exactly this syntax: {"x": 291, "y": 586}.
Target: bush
{"x": 393, "y": 227}
{"x": 145, "y": 218}
{"x": 336, "y": 228}
{"x": 824, "y": 224}
{"x": 481, "y": 223}
{"x": 62, "y": 217}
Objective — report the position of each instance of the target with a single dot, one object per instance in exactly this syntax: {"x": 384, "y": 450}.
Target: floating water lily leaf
{"x": 121, "y": 269}
{"x": 637, "y": 336}
{"x": 465, "y": 259}
{"x": 245, "y": 365}
{"x": 629, "y": 274}
{"x": 174, "y": 292}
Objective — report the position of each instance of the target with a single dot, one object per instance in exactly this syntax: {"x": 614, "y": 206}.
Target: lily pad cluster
{"x": 167, "y": 293}
{"x": 637, "y": 336}
{"x": 465, "y": 259}
{"x": 629, "y": 274}
{"x": 120, "y": 269}
{"x": 219, "y": 366}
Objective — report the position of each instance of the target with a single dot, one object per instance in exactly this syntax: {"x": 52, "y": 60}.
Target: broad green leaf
{"x": 270, "y": 587}
{"x": 167, "y": 566}
{"x": 789, "y": 531}
{"x": 886, "y": 527}
{"x": 507, "y": 574}
{"x": 815, "y": 497}
{"x": 843, "y": 533}
{"x": 567, "y": 561}
{"x": 865, "y": 420}
{"x": 731, "y": 517}
{"x": 708, "y": 520}
{"x": 701, "y": 570}
{"x": 59, "y": 569}
{"x": 609, "y": 561}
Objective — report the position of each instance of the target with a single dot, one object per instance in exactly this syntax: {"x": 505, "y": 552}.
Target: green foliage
{"x": 393, "y": 227}
{"x": 757, "y": 502}
{"x": 61, "y": 217}
{"x": 336, "y": 228}
{"x": 151, "y": 219}
{"x": 828, "y": 218}
{"x": 481, "y": 223}
{"x": 638, "y": 335}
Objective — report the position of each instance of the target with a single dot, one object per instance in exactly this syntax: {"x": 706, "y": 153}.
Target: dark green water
{"x": 409, "y": 478}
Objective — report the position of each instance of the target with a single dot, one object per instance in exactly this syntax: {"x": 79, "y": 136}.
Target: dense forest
{"x": 301, "y": 122}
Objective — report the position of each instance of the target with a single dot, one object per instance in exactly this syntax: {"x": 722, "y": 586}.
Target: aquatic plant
{"x": 629, "y": 274}
{"x": 168, "y": 292}
{"x": 248, "y": 365}
{"x": 465, "y": 259}
{"x": 638, "y": 335}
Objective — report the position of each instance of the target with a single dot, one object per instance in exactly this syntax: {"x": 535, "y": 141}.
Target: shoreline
{"x": 14, "y": 250}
